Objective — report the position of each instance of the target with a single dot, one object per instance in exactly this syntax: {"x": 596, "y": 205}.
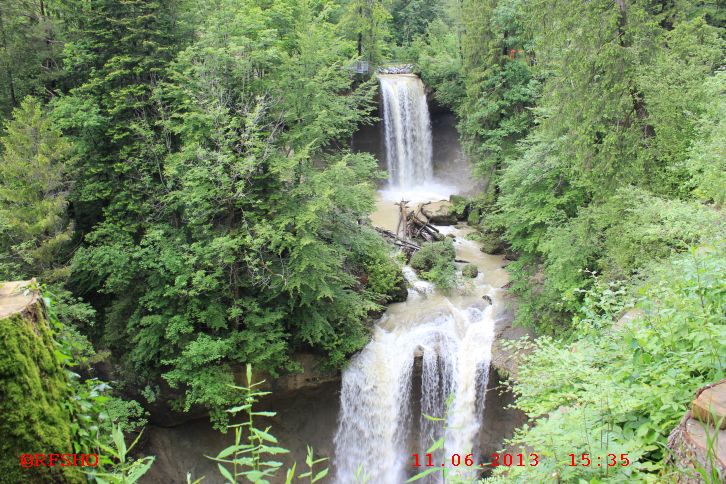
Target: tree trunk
{"x": 637, "y": 97}
{"x": 8, "y": 68}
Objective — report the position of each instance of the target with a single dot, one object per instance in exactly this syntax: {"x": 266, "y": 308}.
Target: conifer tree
{"x": 34, "y": 227}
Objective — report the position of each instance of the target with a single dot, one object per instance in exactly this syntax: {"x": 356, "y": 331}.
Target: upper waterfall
{"x": 407, "y": 130}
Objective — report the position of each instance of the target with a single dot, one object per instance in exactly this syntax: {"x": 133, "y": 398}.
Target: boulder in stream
{"x": 399, "y": 292}
{"x": 439, "y": 213}
{"x": 471, "y": 271}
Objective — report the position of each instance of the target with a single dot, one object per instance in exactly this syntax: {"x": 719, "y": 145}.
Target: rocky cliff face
{"x": 505, "y": 360}
{"x": 306, "y": 414}
{"x": 33, "y": 388}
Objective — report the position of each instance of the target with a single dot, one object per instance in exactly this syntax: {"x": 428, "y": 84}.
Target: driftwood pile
{"x": 413, "y": 227}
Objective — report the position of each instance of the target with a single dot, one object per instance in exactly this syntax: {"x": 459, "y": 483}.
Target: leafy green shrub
{"x": 98, "y": 419}
{"x": 706, "y": 163}
{"x": 621, "y": 387}
{"x": 618, "y": 237}
{"x": 474, "y": 217}
{"x": 626, "y": 233}
{"x": 470, "y": 270}
{"x": 124, "y": 469}
{"x": 433, "y": 253}
{"x": 437, "y": 55}
{"x": 385, "y": 277}
{"x": 435, "y": 263}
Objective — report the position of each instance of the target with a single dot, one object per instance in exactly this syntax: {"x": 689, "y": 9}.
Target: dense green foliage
{"x": 190, "y": 181}
{"x": 34, "y": 228}
{"x": 598, "y": 127}
{"x": 603, "y": 142}
{"x": 621, "y": 387}
{"x": 30, "y": 51}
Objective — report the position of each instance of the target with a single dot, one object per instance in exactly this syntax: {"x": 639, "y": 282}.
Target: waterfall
{"x": 407, "y": 130}
{"x": 377, "y": 432}
{"x": 427, "y": 356}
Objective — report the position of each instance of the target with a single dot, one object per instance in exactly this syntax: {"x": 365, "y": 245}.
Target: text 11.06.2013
{"x": 468, "y": 460}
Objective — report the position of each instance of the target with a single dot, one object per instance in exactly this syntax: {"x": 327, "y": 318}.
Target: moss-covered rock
{"x": 435, "y": 263}
{"x": 432, "y": 254}
{"x": 386, "y": 278}
{"x": 470, "y": 271}
{"x": 399, "y": 293}
{"x": 439, "y": 213}
{"x": 33, "y": 391}
{"x": 491, "y": 243}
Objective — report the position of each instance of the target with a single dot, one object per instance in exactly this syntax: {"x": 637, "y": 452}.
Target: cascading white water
{"x": 375, "y": 427}
{"x": 407, "y": 130}
{"x": 380, "y": 425}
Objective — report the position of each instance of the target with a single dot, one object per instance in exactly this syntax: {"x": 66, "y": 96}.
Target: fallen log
{"x": 423, "y": 228}
{"x": 414, "y": 217}
{"x": 395, "y": 239}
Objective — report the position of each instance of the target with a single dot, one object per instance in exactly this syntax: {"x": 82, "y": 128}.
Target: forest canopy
{"x": 180, "y": 176}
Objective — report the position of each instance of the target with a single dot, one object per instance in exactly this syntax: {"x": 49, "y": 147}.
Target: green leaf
{"x": 423, "y": 474}
{"x": 320, "y": 475}
{"x": 264, "y": 414}
{"x": 226, "y": 474}
{"x": 433, "y": 419}
{"x": 436, "y": 445}
{"x": 264, "y": 435}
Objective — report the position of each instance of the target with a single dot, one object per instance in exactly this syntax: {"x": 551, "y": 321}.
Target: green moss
{"x": 33, "y": 391}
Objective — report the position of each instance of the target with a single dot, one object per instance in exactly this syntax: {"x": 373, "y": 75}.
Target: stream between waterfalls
{"x": 424, "y": 350}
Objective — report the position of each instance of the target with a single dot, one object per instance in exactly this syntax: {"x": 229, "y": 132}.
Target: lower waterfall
{"x": 381, "y": 424}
